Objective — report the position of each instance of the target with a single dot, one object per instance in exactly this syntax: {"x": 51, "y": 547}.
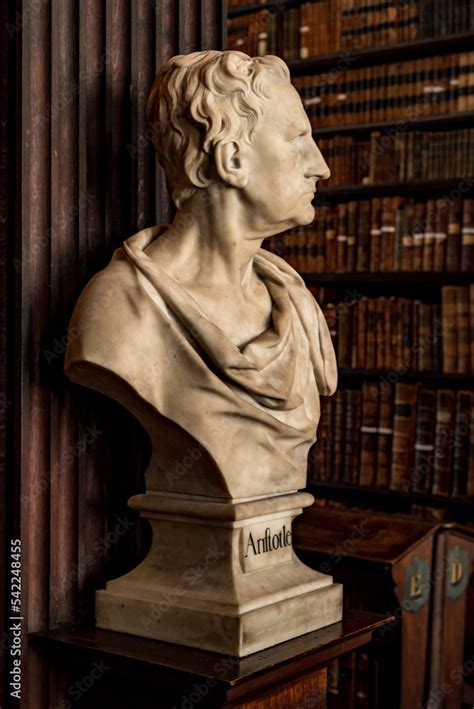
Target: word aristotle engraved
{"x": 269, "y": 542}
{"x": 222, "y": 354}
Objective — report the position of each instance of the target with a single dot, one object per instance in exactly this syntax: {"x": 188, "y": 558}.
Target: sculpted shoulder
{"x": 106, "y": 314}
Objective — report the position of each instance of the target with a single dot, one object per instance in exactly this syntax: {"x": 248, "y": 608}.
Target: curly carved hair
{"x": 200, "y": 99}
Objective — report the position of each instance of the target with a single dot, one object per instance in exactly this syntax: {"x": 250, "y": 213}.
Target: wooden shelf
{"x": 413, "y": 188}
{"x": 389, "y": 277}
{"x": 381, "y": 55}
{"x": 447, "y": 121}
{"x": 257, "y": 6}
{"x": 436, "y": 378}
{"x": 356, "y": 493}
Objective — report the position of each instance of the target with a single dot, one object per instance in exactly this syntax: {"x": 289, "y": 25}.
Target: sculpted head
{"x": 225, "y": 118}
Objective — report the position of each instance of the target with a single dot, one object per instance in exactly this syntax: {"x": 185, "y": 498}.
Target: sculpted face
{"x": 283, "y": 163}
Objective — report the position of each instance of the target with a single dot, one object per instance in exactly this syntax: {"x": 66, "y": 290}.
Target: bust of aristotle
{"x": 214, "y": 344}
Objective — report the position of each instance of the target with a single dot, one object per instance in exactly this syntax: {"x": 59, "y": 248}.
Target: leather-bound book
{"x": 351, "y": 437}
{"x": 385, "y": 436}
{"x": 363, "y": 681}
{"x": 389, "y": 315}
{"x": 408, "y": 322}
{"x": 404, "y": 419}
{"x": 361, "y": 339}
{"x": 418, "y": 231}
{"x": 335, "y": 7}
{"x": 370, "y": 344}
{"x": 463, "y": 331}
{"x": 380, "y": 335}
{"x": 318, "y": 248}
{"x": 352, "y": 215}
{"x": 398, "y": 334}
{"x": 437, "y": 339}
{"x": 339, "y": 435}
{"x": 330, "y": 313}
{"x": 341, "y": 238}
{"x": 454, "y": 244}
{"x": 387, "y": 233}
{"x": 375, "y": 234}
{"x": 369, "y": 433}
{"x": 462, "y": 426}
{"x": 407, "y": 238}
{"x": 400, "y": 217}
{"x": 363, "y": 236}
{"x": 449, "y": 295}
{"x": 320, "y": 453}
{"x": 471, "y": 324}
{"x": 424, "y": 351}
{"x": 347, "y": 682}
{"x": 470, "y": 469}
{"x": 428, "y": 244}
{"x": 344, "y": 343}
{"x": 424, "y": 440}
{"x": 467, "y": 249}
{"x": 444, "y": 435}
{"x": 440, "y": 235}
{"x": 304, "y": 30}
{"x": 330, "y": 239}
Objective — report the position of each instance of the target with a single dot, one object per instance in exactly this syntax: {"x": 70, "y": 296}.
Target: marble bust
{"x": 221, "y": 352}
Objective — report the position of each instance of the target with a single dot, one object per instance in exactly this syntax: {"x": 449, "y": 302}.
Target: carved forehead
{"x": 284, "y": 107}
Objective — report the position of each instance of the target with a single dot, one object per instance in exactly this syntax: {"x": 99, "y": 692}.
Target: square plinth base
{"x": 233, "y": 635}
{"x": 221, "y": 577}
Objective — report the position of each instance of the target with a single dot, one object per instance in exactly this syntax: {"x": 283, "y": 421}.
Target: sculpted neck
{"x": 211, "y": 242}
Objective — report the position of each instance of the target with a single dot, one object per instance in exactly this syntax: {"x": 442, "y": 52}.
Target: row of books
{"x": 383, "y": 234}
{"x": 405, "y": 437}
{"x": 328, "y": 26}
{"x": 349, "y": 682}
{"x": 398, "y": 91}
{"x": 403, "y": 334}
{"x": 399, "y": 156}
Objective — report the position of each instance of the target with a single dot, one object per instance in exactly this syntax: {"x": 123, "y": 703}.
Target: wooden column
{"x": 87, "y": 179}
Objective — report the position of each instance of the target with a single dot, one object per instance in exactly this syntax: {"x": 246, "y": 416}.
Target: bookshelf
{"x": 393, "y": 440}
{"x": 418, "y": 187}
{"x": 462, "y": 41}
{"x": 434, "y": 49}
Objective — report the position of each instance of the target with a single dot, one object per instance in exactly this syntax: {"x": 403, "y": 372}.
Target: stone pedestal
{"x": 220, "y": 576}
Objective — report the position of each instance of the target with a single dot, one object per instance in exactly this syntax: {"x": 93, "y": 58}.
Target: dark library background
{"x": 389, "y": 89}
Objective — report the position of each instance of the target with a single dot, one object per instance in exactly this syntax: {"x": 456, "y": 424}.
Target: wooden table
{"x": 105, "y": 668}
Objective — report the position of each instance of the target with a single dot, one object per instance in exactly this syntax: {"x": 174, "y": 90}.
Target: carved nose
{"x": 319, "y": 168}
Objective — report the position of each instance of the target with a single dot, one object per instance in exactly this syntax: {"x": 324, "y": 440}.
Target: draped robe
{"x": 224, "y": 421}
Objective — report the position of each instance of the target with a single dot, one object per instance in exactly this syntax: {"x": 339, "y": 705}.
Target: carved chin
{"x": 307, "y": 215}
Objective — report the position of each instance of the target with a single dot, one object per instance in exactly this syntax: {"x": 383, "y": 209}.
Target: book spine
{"x": 461, "y": 443}
{"x": 385, "y": 436}
{"x": 424, "y": 441}
{"x": 443, "y": 442}
{"x": 369, "y": 434}
{"x": 449, "y": 295}
{"x": 403, "y": 435}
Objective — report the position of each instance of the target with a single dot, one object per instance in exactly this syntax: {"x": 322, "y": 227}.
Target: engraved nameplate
{"x": 265, "y": 544}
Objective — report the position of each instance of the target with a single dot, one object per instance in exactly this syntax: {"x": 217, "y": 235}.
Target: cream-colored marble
{"x": 221, "y": 353}
{"x": 220, "y": 576}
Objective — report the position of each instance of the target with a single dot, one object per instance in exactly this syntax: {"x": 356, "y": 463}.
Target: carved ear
{"x": 230, "y": 165}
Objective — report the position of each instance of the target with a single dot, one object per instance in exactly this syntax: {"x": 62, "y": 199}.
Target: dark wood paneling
{"x": 166, "y": 46}
{"x": 65, "y": 199}
{"x": 92, "y": 255}
{"x": 87, "y": 179}
{"x": 34, "y": 395}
